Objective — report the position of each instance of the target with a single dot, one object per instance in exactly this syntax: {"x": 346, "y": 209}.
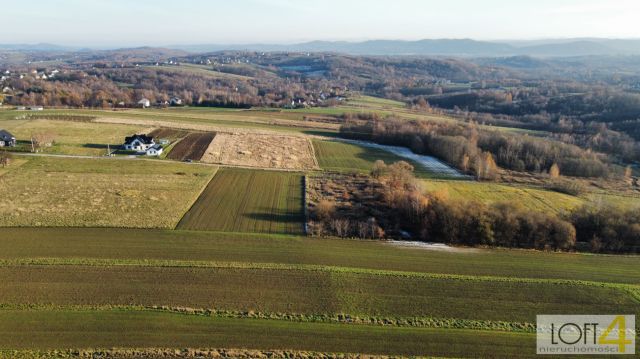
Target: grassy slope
{"x": 486, "y": 192}
{"x": 49, "y": 191}
{"x": 249, "y": 201}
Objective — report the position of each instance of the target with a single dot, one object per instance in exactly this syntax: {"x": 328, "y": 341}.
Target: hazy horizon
{"x": 118, "y": 23}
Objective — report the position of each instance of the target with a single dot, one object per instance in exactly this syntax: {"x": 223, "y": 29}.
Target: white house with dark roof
{"x": 140, "y": 143}
{"x": 155, "y": 150}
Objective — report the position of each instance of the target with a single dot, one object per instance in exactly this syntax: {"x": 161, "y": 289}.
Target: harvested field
{"x": 258, "y": 150}
{"x": 249, "y": 201}
{"x": 53, "y": 191}
{"x": 192, "y": 147}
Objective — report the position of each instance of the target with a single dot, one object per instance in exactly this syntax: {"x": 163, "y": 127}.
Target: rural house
{"x": 155, "y": 150}
{"x": 139, "y": 143}
{"x": 7, "y": 139}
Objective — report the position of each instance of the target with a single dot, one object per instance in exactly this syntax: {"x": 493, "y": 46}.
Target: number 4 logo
{"x": 621, "y": 341}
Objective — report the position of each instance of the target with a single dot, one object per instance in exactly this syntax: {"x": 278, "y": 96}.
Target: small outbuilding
{"x": 155, "y": 150}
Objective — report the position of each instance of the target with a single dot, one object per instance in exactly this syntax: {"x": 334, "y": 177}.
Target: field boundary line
{"x": 196, "y": 352}
{"x": 633, "y": 290}
{"x": 313, "y": 152}
{"x": 331, "y": 318}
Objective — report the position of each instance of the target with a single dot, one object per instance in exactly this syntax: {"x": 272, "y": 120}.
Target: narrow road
{"x": 157, "y": 160}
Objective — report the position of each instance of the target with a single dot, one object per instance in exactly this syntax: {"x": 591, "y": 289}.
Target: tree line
{"x": 478, "y": 151}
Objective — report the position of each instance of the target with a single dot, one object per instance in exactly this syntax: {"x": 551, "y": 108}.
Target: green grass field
{"x": 83, "y": 287}
{"x": 138, "y": 244}
{"x": 302, "y": 291}
{"x": 532, "y": 198}
{"x": 54, "y": 191}
{"x": 348, "y": 157}
{"x": 537, "y": 199}
{"x": 43, "y": 330}
{"x": 73, "y": 138}
{"x": 249, "y": 201}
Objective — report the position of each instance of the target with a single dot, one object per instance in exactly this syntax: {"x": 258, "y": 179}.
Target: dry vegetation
{"x": 103, "y": 193}
{"x": 345, "y": 205}
{"x": 264, "y": 151}
{"x": 171, "y": 134}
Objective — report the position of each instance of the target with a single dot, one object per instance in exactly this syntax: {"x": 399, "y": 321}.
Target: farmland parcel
{"x": 192, "y": 147}
{"x": 249, "y": 201}
{"x": 261, "y": 150}
{"x": 292, "y": 289}
{"x": 100, "y": 193}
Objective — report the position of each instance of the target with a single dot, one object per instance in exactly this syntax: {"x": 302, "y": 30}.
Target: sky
{"x": 100, "y": 23}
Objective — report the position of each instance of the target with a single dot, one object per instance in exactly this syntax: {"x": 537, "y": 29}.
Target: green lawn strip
{"x": 46, "y": 330}
{"x": 115, "y": 243}
{"x": 305, "y": 289}
{"x": 421, "y": 322}
{"x": 304, "y": 267}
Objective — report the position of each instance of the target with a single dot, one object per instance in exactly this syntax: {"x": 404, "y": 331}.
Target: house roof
{"x": 147, "y": 140}
{"x": 6, "y": 135}
{"x": 155, "y": 147}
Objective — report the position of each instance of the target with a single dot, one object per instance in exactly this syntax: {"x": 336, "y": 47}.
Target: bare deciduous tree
{"x": 5, "y": 158}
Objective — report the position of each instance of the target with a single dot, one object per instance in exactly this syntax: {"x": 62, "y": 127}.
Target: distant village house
{"x": 144, "y": 103}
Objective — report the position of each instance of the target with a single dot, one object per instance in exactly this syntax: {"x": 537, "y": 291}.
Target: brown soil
{"x": 168, "y": 133}
{"x": 192, "y": 147}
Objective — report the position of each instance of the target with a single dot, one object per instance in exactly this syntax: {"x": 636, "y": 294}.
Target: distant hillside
{"x": 427, "y": 47}
{"x": 446, "y": 47}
